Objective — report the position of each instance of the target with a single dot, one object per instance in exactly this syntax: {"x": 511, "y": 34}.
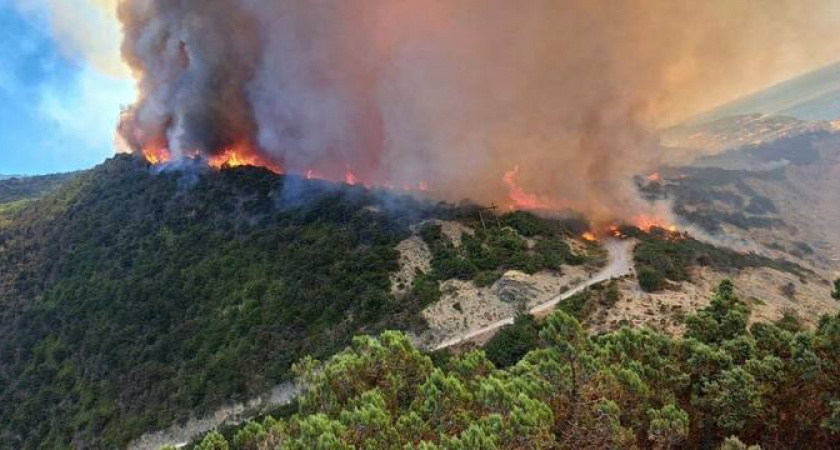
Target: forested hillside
{"x": 721, "y": 386}
{"x": 13, "y": 189}
{"x": 663, "y": 257}
{"x": 130, "y": 299}
{"x": 16, "y": 192}
{"x": 133, "y": 297}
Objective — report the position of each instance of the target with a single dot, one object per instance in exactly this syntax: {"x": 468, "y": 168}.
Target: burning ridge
{"x": 408, "y": 95}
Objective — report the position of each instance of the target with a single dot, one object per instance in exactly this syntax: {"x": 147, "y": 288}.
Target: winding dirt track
{"x": 620, "y": 264}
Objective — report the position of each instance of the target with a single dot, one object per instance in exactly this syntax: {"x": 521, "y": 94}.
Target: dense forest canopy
{"x": 13, "y": 189}
{"x": 720, "y": 386}
{"x": 133, "y": 298}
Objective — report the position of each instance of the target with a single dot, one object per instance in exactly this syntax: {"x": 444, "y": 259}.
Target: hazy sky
{"x": 58, "y": 105}
{"x": 62, "y": 84}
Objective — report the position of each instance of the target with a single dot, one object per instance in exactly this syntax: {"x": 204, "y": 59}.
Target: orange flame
{"x": 615, "y": 231}
{"x": 234, "y": 157}
{"x": 520, "y": 198}
{"x": 646, "y": 223}
{"x": 654, "y": 177}
{"x": 350, "y": 177}
{"x": 611, "y": 230}
{"x": 156, "y": 156}
{"x": 238, "y": 157}
{"x": 244, "y": 156}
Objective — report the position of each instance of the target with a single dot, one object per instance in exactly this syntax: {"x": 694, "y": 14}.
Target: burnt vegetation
{"x": 711, "y": 197}
{"x": 800, "y": 149}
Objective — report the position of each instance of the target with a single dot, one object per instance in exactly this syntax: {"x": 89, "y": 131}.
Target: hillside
{"x": 734, "y": 132}
{"x": 723, "y": 385}
{"x": 686, "y": 273}
{"x": 15, "y": 190}
{"x": 812, "y": 96}
{"x": 777, "y": 197}
{"x": 136, "y": 297}
{"x": 132, "y": 299}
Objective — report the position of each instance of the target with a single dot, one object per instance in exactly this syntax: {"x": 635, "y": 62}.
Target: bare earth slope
{"x": 619, "y": 265}
{"x": 779, "y": 197}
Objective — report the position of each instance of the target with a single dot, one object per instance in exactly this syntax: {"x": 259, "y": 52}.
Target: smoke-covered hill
{"x": 812, "y": 96}
{"x": 133, "y": 297}
{"x": 776, "y": 195}
{"x": 733, "y": 132}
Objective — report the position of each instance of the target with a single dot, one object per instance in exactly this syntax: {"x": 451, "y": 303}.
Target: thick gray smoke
{"x": 453, "y": 93}
{"x": 195, "y": 61}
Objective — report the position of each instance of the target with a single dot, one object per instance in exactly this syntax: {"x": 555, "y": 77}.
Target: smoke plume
{"x": 453, "y": 93}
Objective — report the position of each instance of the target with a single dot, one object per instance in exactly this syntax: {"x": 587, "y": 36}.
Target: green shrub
{"x": 554, "y": 386}
{"x": 662, "y": 255}
{"x": 487, "y": 278}
{"x": 512, "y": 342}
{"x": 425, "y": 289}
{"x": 146, "y": 295}
{"x": 528, "y": 224}
{"x": 651, "y": 280}
{"x": 485, "y": 255}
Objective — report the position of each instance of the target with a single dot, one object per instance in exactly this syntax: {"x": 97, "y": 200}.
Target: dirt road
{"x": 620, "y": 264}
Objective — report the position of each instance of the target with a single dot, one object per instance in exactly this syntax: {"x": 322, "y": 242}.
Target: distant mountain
{"x": 807, "y": 104}
{"x": 755, "y": 184}
{"x": 734, "y": 132}
{"x": 14, "y": 188}
{"x": 813, "y": 96}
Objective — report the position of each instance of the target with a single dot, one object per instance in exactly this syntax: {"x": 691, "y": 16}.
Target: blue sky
{"x": 57, "y": 111}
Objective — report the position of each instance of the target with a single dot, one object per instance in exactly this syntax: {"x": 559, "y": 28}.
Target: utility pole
{"x": 493, "y": 208}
